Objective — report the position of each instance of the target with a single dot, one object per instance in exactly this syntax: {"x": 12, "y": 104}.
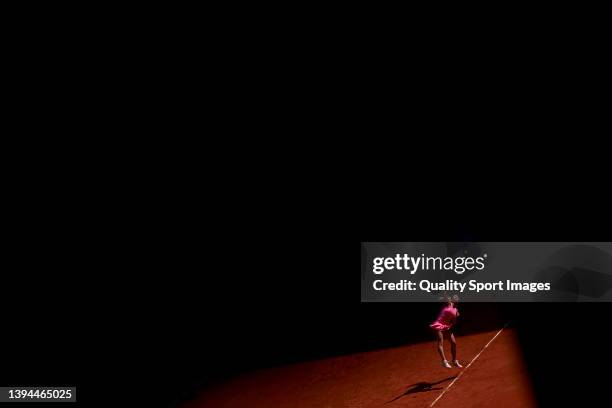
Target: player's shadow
{"x": 422, "y": 387}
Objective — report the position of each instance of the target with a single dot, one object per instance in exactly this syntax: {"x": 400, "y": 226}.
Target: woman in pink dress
{"x": 445, "y": 324}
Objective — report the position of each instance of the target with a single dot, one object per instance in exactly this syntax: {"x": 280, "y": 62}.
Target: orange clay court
{"x": 406, "y": 376}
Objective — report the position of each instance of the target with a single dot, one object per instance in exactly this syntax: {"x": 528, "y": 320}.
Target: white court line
{"x": 468, "y": 366}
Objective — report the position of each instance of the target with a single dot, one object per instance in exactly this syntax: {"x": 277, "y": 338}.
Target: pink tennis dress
{"x": 446, "y": 320}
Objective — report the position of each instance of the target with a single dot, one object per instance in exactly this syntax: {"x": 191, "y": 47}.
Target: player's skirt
{"x": 437, "y": 326}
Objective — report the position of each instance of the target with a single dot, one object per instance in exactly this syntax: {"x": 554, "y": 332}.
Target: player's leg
{"x": 441, "y": 349}
{"x": 454, "y": 350}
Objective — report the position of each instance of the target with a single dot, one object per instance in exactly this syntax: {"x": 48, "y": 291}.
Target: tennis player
{"x": 444, "y": 324}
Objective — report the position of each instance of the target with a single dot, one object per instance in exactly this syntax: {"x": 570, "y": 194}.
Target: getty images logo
{"x": 426, "y": 263}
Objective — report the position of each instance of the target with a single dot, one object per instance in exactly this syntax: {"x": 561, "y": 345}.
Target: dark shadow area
{"x": 422, "y": 386}
{"x": 561, "y": 351}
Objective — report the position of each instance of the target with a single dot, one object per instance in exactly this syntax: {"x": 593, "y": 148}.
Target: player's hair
{"x": 449, "y": 298}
